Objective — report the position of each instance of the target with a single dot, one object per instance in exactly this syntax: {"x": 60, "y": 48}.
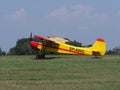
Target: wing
{"x": 52, "y": 39}
{"x": 47, "y": 40}
{"x": 58, "y": 39}
{"x": 42, "y": 38}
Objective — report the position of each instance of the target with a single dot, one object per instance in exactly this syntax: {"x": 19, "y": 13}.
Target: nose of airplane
{"x": 34, "y": 44}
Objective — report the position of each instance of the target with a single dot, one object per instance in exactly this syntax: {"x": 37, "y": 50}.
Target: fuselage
{"x": 60, "y": 48}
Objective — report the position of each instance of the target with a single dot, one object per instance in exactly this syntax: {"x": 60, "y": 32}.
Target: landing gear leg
{"x": 40, "y": 56}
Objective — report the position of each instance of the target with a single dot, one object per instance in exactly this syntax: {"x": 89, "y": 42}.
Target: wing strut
{"x": 41, "y": 54}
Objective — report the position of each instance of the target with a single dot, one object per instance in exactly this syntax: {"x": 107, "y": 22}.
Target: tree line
{"x": 2, "y": 52}
{"x": 23, "y": 47}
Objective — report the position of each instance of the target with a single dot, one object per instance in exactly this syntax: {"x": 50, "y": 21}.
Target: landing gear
{"x": 40, "y": 56}
{"x": 97, "y": 57}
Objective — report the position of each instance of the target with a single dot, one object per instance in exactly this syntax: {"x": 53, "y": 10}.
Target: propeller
{"x": 30, "y": 36}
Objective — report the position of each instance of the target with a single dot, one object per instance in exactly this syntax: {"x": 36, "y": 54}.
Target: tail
{"x": 99, "y": 47}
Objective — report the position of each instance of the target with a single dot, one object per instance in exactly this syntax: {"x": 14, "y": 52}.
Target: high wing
{"x": 58, "y": 39}
{"x": 52, "y": 39}
{"x": 42, "y": 37}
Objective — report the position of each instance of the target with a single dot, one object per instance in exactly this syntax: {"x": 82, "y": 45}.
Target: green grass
{"x": 59, "y": 72}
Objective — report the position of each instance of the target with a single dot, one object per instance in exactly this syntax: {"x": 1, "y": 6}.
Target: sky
{"x": 81, "y": 20}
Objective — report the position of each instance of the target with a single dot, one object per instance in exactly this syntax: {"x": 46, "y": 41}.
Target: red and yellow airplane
{"x": 58, "y": 45}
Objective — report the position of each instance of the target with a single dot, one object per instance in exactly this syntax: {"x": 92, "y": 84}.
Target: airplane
{"x": 58, "y": 45}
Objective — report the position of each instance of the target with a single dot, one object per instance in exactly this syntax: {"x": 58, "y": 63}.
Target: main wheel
{"x": 40, "y": 56}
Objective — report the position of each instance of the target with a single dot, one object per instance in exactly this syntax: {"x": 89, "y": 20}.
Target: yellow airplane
{"x": 58, "y": 45}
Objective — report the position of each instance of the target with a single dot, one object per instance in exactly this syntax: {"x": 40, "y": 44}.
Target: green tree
{"x": 22, "y": 48}
{"x": 0, "y": 51}
{"x": 110, "y": 52}
{"x": 12, "y": 51}
{"x": 74, "y": 43}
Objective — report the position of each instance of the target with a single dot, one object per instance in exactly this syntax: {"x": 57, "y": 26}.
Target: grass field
{"x": 59, "y": 72}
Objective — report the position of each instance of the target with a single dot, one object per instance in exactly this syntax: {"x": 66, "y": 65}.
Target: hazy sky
{"x": 81, "y": 20}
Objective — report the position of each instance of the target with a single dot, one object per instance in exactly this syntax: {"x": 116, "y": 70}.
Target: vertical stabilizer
{"x": 99, "y": 47}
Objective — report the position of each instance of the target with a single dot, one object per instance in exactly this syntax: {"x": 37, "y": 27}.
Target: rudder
{"x": 99, "y": 47}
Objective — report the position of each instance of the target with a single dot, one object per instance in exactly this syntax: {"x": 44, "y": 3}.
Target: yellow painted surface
{"x": 98, "y": 47}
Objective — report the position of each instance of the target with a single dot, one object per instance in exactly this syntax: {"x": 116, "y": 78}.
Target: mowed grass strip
{"x": 56, "y": 72}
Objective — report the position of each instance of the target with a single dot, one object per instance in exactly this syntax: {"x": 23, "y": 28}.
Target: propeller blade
{"x": 30, "y": 36}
